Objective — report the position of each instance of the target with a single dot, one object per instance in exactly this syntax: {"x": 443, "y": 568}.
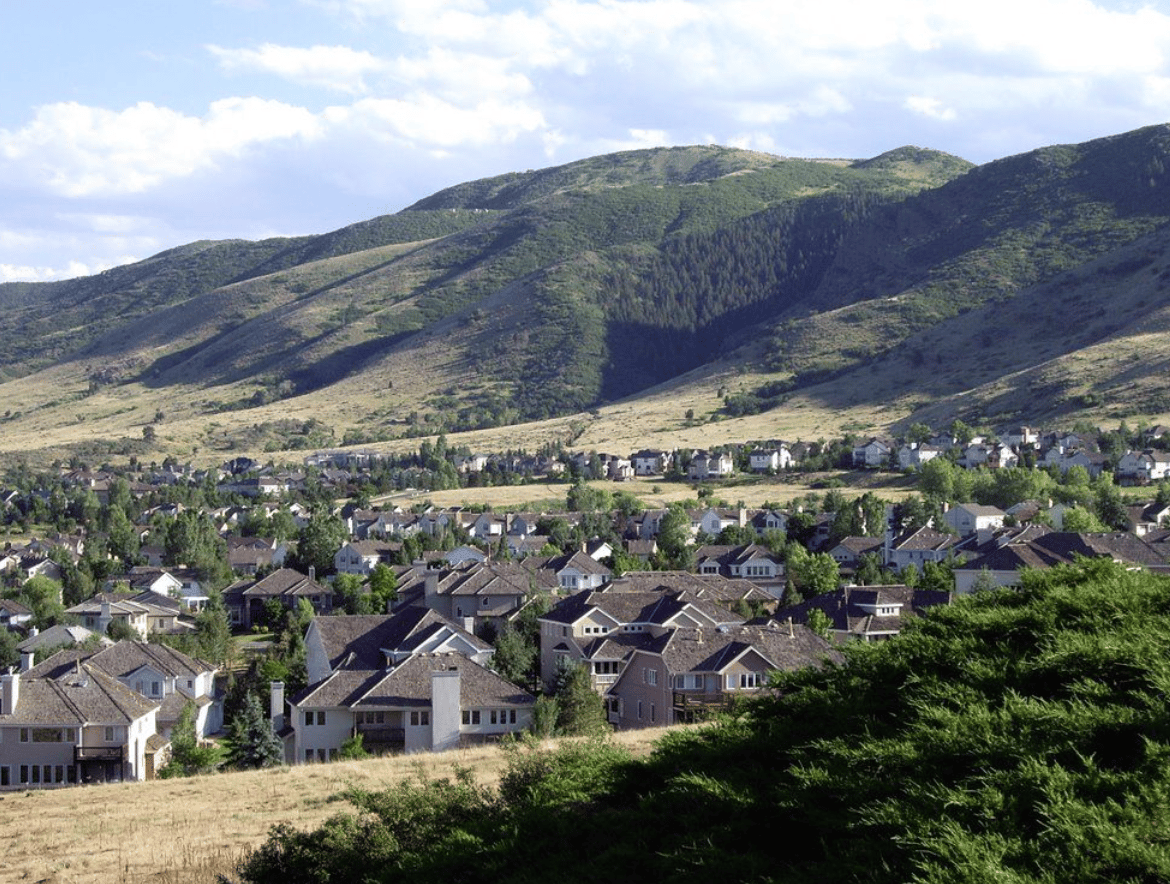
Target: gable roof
{"x": 359, "y": 643}
{"x": 852, "y": 609}
{"x": 81, "y": 695}
{"x": 409, "y": 684}
{"x": 714, "y": 649}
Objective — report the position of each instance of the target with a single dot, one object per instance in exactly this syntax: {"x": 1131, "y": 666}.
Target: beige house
{"x": 685, "y": 674}
{"x": 83, "y": 726}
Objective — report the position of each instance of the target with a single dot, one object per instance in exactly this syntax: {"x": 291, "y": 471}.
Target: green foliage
{"x": 819, "y": 622}
{"x": 318, "y": 541}
{"x": 188, "y": 758}
{"x": 580, "y": 709}
{"x": 353, "y": 749}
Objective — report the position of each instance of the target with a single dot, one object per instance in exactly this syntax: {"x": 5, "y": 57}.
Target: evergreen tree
{"x": 580, "y": 709}
{"x": 251, "y": 742}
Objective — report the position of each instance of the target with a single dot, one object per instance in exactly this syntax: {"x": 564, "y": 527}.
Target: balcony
{"x": 380, "y": 737}
{"x": 101, "y": 753}
{"x": 690, "y": 706}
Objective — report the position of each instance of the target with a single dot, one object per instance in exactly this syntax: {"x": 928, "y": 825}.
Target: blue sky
{"x": 132, "y": 126}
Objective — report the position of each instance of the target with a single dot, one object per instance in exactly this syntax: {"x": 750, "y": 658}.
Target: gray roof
{"x": 121, "y": 659}
{"x": 847, "y": 608}
{"x": 359, "y": 642}
{"x": 712, "y": 650}
{"x": 82, "y": 695}
{"x": 409, "y": 684}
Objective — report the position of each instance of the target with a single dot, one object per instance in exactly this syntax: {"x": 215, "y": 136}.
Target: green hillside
{"x": 899, "y": 279}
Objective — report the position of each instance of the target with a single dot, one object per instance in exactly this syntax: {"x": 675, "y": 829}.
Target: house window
{"x": 155, "y": 688}
{"x": 652, "y": 712}
{"x": 24, "y": 735}
{"x": 24, "y": 773}
{"x": 308, "y": 719}
{"x": 59, "y": 773}
{"x": 475, "y": 716}
{"x": 47, "y": 735}
{"x": 494, "y": 715}
{"x": 321, "y": 717}
{"x": 308, "y": 755}
{"x": 420, "y": 718}
{"x": 639, "y": 709}
{"x": 466, "y": 716}
{"x": 109, "y": 735}
{"x": 36, "y": 773}
{"x": 651, "y": 676}
{"x": 749, "y": 679}
{"x": 484, "y": 602}
{"x": 4, "y": 776}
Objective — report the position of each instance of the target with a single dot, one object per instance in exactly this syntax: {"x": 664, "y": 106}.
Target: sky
{"x": 128, "y": 127}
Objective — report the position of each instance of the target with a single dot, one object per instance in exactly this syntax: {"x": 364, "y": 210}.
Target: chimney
{"x": 276, "y": 704}
{"x": 27, "y": 660}
{"x": 445, "y": 709}
{"x": 430, "y": 588}
{"x": 791, "y": 634}
{"x": 105, "y": 618}
{"x": 9, "y": 692}
{"x": 312, "y": 572}
{"x": 33, "y": 632}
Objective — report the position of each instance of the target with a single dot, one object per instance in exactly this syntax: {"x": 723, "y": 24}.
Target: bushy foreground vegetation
{"x": 1015, "y": 736}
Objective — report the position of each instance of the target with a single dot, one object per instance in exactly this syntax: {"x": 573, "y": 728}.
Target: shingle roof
{"x": 712, "y": 650}
{"x": 358, "y": 642}
{"x": 847, "y": 607}
{"x": 409, "y": 684}
{"x": 83, "y": 695}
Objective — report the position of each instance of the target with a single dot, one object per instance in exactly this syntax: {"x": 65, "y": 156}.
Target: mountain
{"x": 912, "y": 281}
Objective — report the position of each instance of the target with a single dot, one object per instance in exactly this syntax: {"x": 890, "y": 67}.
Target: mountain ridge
{"x": 551, "y": 292}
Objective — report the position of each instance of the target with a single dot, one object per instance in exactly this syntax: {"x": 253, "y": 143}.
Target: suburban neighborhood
{"x": 154, "y": 606}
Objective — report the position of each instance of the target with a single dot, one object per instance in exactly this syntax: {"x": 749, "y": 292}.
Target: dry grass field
{"x": 189, "y": 831}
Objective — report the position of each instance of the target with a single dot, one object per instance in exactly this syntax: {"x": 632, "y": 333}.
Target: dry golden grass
{"x": 191, "y": 830}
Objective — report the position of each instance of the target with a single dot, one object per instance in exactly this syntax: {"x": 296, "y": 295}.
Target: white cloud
{"x": 334, "y": 67}
{"x": 432, "y": 123}
{"x": 929, "y": 107}
{"x": 75, "y": 150}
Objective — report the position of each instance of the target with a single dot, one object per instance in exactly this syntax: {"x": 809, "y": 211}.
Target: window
{"x": 494, "y": 714}
{"x": 24, "y": 773}
{"x": 420, "y": 718}
{"x": 36, "y": 773}
{"x": 59, "y": 773}
{"x": 320, "y": 754}
{"x": 511, "y": 716}
{"x": 651, "y": 676}
{"x": 4, "y": 775}
{"x": 484, "y": 602}
{"x": 308, "y": 719}
{"x": 749, "y": 679}
{"x": 155, "y": 688}
{"x": 652, "y": 712}
{"x": 47, "y": 735}
{"x": 475, "y": 716}
{"x": 466, "y": 719}
{"x": 639, "y": 709}
{"x": 110, "y": 734}
{"x": 24, "y": 735}
{"x": 320, "y": 717}
{"x": 308, "y": 755}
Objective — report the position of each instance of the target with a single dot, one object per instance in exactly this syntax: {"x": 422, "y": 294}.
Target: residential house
{"x": 972, "y": 518}
{"x": 144, "y": 613}
{"x": 913, "y": 455}
{"x": 849, "y": 550}
{"x": 749, "y": 560}
{"x": 246, "y": 599}
{"x": 601, "y": 628}
{"x": 1145, "y": 518}
{"x": 650, "y": 462}
{"x": 157, "y": 672}
{"x": 868, "y": 613}
{"x": 709, "y": 465}
{"x": 873, "y": 454}
{"x": 917, "y": 547}
{"x": 686, "y": 673}
{"x": 1003, "y": 564}
{"x": 14, "y": 614}
{"x": 1143, "y": 467}
{"x": 361, "y": 557}
{"x": 83, "y": 726}
{"x": 410, "y": 681}
{"x": 469, "y": 594}
{"x": 769, "y": 460}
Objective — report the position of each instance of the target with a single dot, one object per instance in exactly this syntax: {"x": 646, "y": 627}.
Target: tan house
{"x": 687, "y": 673}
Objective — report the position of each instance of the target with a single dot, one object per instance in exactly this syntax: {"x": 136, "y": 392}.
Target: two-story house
{"x": 684, "y": 674}
{"x": 409, "y": 681}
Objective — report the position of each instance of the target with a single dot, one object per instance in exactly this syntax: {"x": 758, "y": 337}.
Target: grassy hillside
{"x": 190, "y": 831}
